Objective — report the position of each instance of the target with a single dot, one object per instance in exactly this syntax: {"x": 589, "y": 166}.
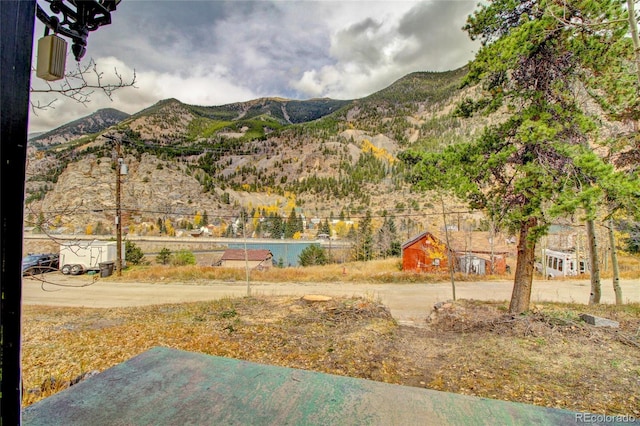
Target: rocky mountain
{"x": 93, "y": 123}
{"x": 31, "y": 136}
{"x": 328, "y": 158}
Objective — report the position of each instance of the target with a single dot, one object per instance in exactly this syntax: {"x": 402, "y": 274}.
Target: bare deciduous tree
{"x": 80, "y": 84}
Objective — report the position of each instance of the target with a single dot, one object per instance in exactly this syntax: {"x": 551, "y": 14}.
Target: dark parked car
{"x": 39, "y": 263}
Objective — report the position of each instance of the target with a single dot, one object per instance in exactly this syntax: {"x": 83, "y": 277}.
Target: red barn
{"x": 425, "y": 253}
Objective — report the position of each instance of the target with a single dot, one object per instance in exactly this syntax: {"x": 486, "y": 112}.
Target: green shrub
{"x": 164, "y": 256}
{"x": 133, "y": 253}
{"x": 313, "y": 255}
{"x": 183, "y": 257}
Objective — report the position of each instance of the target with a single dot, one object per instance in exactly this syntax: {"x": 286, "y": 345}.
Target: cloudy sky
{"x": 219, "y": 52}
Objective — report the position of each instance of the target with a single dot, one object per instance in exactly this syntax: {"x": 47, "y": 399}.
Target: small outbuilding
{"x": 425, "y": 253}
{"x": 239, "y": 258}
{"x": 481, "y": 252}
{"x": 472, "y": 253}
{"x": 475, "y": 264}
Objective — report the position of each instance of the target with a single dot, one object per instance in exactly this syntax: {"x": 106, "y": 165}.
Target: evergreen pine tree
{"x": 276, "y": 226}
{"x": 324, "y": 228}
{"x": 363, "y": 247}
{"x": 291, "y": 226}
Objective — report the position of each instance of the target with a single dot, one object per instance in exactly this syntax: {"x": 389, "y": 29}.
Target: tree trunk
{"x": 614, "y": 264}
{"x": 492, "y": 237}
{"x": 450, "y": 258}
{"x": 594, "y": 297}
{"x": 633, "y": 26}
{"x": 521, "y": 296}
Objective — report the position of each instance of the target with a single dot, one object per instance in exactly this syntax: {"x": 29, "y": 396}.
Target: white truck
{"x": 79, "y": 257}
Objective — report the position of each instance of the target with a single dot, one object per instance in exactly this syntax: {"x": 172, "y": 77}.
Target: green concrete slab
{"x": 170, "y": 387}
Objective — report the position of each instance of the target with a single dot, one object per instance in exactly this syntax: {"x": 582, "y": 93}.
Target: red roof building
{"x": 240, "y": 258}
{"x": 425, "y": 253}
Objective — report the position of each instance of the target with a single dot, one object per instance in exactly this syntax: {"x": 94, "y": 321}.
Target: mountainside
{"x": 329, "y": 158}
{"x": 93, "y": 123}
{"x": 31, "y": 136}
{"x": 286, "y": 111}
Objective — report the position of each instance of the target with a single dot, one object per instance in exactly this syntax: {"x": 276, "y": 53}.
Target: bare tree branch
{"x": 81, "y": 83}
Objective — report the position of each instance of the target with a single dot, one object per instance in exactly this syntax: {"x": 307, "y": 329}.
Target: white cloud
{"x": 371, "y": 53}
{"x": 202, "y": 86}
{"x": 217, "y": 52}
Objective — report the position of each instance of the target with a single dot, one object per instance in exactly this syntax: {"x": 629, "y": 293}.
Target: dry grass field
{"x": 547, "y": 357}
{"x": 377, "y": 271}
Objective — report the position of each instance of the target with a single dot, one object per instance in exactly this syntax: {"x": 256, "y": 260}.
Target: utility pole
{"x": 246, "y": 252}
{"x": 118, "y": 219}
{"x": 121, "y": 169}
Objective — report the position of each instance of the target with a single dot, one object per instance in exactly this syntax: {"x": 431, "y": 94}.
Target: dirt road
{"x": 409, "y": 303}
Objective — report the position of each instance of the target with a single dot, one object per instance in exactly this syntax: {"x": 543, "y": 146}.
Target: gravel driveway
{"x": 409, "y": 303}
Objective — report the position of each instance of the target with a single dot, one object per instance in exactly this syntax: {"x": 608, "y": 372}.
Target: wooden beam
{"x": 16, "y": 24}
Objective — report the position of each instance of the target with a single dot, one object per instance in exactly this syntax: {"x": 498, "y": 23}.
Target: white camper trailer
{"x": 79, "y": 257}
